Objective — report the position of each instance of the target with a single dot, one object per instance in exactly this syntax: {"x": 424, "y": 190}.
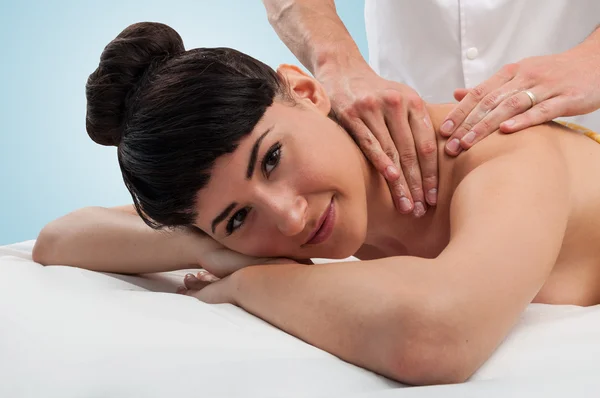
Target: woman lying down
{"x": 232, "y": 164}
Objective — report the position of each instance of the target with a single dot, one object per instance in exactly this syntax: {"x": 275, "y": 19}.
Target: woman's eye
{"x": 271, "y": 159}
{"x": 237, "y": 220}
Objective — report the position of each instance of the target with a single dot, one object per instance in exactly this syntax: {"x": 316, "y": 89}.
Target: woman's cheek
{"x": 262, "y": 246}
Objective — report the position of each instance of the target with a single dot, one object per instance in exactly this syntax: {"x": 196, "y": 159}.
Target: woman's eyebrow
{"x": 223, "y": 215}
{"x": 251, "y": 165}
{"x": 254, "y": 154}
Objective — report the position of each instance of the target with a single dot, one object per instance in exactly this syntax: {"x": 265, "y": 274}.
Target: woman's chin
{"x": 341, "y": 250}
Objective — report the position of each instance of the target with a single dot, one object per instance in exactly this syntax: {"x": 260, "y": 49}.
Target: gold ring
{"x": 531, "y": 97}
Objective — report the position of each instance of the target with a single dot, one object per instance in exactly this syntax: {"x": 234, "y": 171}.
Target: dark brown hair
{"x": 172, "y": 113}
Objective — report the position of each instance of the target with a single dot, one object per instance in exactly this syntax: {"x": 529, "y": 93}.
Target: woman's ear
{"x": 304, "y": 88}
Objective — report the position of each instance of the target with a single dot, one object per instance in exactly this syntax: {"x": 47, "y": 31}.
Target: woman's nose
{"x": 290, "y": 214}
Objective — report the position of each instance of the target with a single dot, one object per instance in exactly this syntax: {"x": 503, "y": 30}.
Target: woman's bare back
{"x": 575, "y": 278}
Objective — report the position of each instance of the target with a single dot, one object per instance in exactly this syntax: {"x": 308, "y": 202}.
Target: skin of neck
{"x": 388, "y": 230}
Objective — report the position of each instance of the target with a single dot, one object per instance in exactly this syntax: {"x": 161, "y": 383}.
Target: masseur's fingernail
{"x": 419, "y": 210}
{"x": 432, "y": 196}
{"x": 426, "y": 122}
{"x": 469, "y": 137}
{"x": 453, "y": 145}
{"x": 508, "y": 123}
{"x": 405, "y": 204}
{"x": 391, "y": 173}
{"x": 181, "y": 290}
{"x": 447, "y": 127}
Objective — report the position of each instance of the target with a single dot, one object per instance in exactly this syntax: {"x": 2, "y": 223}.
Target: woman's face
{"x": 267, "y": 197}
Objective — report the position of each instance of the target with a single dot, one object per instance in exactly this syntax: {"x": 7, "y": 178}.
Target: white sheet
{"x": 67, "y": 332}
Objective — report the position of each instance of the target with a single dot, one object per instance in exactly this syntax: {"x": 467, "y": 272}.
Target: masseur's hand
{"x": 389, "y": 122}
{"x": 530, "y": 92}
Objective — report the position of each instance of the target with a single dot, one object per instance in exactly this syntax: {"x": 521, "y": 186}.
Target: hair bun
{"x": 123, "y": 64}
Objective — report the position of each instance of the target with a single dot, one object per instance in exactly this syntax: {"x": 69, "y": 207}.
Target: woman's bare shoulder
{"x": 533, "y": 143}
{"x": 126, "y": 208}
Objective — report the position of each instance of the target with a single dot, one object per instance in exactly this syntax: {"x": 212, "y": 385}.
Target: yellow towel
{"x": 573, "y": 126}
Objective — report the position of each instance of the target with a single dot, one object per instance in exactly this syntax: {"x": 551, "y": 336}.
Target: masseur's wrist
{"x": 333, "y": 63}
{"x": 589, "y": 48}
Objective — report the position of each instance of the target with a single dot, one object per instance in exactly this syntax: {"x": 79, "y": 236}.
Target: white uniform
{"x": 436, "y": 46}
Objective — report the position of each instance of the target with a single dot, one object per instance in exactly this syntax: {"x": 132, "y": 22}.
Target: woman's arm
{"x": 426, "y": 321}
{"x": 508, "y": 219}
{"x": 117, "y": 240}
{"x": 363, "y": 312}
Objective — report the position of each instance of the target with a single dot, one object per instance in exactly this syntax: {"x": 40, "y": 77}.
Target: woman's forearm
{"x": 315, "y": 34}
{"x": 369, "y": 313}
{"x": 109, "y": 240}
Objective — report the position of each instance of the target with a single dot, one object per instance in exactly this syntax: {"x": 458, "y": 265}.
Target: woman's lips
{"x": 326, "y": 227}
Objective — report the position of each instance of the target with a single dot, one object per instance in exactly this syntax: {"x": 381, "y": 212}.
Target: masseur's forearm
{"x": 591, "y": 45}
{"x": 109, "y": 240}
{"x": 369, "y": 313}
{"x": 594, "y": 37}
{"x": 313, "y": 31}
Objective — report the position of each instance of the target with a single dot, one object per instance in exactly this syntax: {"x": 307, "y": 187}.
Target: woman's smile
{"x": 324, "y": 226}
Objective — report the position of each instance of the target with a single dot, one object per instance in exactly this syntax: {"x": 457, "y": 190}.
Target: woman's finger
{"x": 206, "y": 276}
{"x": 188, "y": 292}
{"x": 192, "y": 282}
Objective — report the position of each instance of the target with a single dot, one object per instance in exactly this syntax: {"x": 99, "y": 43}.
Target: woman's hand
{"x": 565, "y": 84}
{"x": 208, "y": 288}
{"x": 220, "y": 261}
{"x": 389, "y": 122}
{"x": 213, "y": 290}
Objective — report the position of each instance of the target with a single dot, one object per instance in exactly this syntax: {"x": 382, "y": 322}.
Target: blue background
{"x": 48, "y": 164}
